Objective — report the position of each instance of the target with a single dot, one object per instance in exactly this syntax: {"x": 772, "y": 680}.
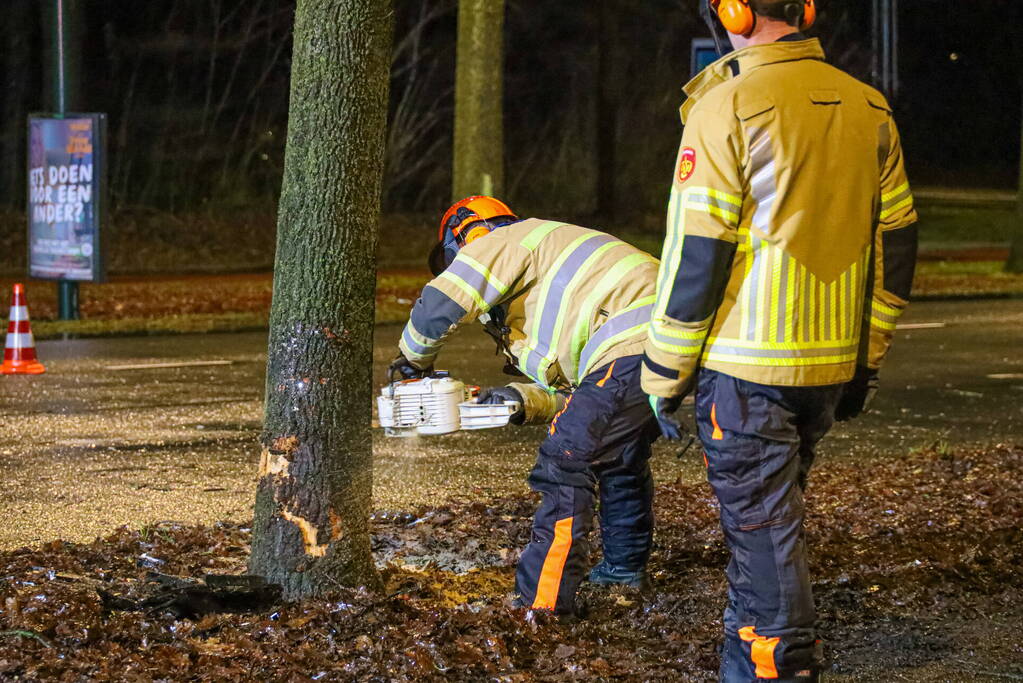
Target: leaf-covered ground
{"x": 223, "y": 303}
{"x": 189, "y": 303}
{"x": 916, "y": 562}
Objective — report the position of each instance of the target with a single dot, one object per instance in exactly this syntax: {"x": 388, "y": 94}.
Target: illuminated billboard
{"x": 66, "y": 185}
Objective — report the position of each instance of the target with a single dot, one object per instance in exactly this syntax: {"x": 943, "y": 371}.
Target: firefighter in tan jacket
{"x": 569, "y": 307}
{"x": 789, "y": 258}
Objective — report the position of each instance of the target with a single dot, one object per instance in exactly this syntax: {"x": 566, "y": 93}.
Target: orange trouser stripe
{"x": 718, "y": 434}
{"x": 762, "y": 652}
{"x": 553, "y": 566}
{"x": 554, "y": 422}
{"x": 610, "y": 369}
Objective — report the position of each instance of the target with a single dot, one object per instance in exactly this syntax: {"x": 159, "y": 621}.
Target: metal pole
{"x": 67, "y": 290}
{"x": 1015, "y": 262}
{"x": 61, "y": 107}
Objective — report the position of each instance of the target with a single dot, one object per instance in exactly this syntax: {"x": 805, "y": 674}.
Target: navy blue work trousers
{"x": 602, "y": 438}
{"x": 760, "y": 441}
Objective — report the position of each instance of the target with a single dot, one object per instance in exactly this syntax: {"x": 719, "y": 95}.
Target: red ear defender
{"x": 736, "y": 16}
{"x": 809, "y": 15}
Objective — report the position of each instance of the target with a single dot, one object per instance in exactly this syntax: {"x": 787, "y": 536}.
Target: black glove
{"x": 857, "y": 394}
{"x": 499, "y": 395}
{"x": 664, "y": 410}
{"x": 402, "y": 367}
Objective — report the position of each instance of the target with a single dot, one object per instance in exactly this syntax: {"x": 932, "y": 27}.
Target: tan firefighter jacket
{"x": 789, "y": 253}
{"x": 574, "y": 300}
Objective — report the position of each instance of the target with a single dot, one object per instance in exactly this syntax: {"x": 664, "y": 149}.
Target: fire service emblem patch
{"x": 686, "y": 164}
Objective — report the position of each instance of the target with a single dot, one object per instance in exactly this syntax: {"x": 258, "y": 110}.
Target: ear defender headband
{"x": 459, "y": 225}
{"x": 739, "y": 18}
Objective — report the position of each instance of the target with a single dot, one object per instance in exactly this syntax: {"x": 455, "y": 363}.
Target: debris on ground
{"x": 915, "y": 561}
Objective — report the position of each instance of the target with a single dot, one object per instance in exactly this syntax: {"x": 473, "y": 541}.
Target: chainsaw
{"x": 437, "y": 404}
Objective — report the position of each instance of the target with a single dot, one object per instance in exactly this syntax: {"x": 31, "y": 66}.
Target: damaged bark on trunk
{"x": 311, "y": 529}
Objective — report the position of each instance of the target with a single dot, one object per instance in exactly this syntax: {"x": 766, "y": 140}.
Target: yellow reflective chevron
{"x": 884, "y": 317}
{"x": 760, "y": 361}
{"x": 788, "y": 316}
{"x": 485, "y": 272}
{"x": 882, "y": 324}
{"x": 898, "y": 198}
{"x": 471, "y": 291}
{"x": 415, "y": 346}
{"x": 716, "y": 203}
{"x": 621, "y": 327}
{"x": 561, "y": 282}
{"x": 885, "y": 310}
{"x": 795, "y": 347}
{"x": 691, "y": 348}
{"x": 610, "y": 280}
{"x": 533, "y": 239}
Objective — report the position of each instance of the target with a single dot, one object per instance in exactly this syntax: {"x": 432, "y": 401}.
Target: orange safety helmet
{"x": 465, "y": 222}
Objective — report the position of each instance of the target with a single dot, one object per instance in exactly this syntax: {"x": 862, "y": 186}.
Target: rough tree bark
{"x": 311, "y": 529}
{"x": 479, "y": 92}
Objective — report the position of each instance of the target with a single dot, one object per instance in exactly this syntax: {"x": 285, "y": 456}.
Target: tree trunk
{"x": 311, "y": 529}
{"x": 16, "y": 66}
{"x": 1015, "y": 262}
{"x": 479, "y": 92}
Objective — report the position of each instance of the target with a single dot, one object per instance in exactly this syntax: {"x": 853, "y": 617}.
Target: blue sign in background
{"x": 703, "y": 53}
{"x": 65, "y": 196}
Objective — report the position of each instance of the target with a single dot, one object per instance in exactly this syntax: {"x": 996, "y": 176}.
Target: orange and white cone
{"x": 20, "y": 350}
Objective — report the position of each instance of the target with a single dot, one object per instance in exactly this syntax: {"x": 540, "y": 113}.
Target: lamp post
{"x": 65, "y": 46}
{"x": 885, "y": 60}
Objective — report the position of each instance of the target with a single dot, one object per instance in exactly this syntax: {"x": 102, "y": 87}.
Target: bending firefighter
{"x": 788, "y": 260}
{"x": 569, "y": 308}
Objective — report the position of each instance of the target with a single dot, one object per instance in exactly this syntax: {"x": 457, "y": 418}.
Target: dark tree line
{"x": 197, "y": 97}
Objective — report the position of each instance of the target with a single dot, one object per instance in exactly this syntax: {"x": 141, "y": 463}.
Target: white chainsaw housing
{"x": 436, "y": 405}
{"x": 421, "y": 406}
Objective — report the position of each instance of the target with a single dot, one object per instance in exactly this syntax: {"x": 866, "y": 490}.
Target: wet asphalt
{"x": 86, "y": 448}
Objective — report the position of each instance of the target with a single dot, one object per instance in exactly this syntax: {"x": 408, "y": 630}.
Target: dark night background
{"x": 197, "y": 96}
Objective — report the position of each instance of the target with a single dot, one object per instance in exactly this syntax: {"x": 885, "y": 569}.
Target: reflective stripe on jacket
{"x": 790, "y": 225}
{"x": 575, "y": 299}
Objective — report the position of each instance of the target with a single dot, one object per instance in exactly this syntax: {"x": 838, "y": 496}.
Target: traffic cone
{"x": 20, "y": 351}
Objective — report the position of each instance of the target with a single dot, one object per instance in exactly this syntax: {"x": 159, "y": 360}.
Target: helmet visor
{"x": 439, "y": 259}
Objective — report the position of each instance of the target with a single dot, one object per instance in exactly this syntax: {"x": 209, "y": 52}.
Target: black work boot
{"x": 605, "y": 574}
